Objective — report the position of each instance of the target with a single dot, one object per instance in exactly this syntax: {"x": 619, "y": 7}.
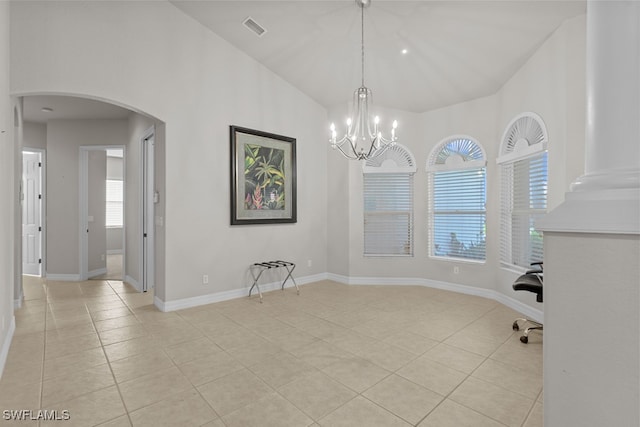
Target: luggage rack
{"x": 260, "y": 267}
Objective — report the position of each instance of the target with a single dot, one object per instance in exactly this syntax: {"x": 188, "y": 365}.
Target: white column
{"x": 592, "y": 242}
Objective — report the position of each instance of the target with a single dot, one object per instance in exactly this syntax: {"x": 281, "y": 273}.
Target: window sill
{"x": 459, "y": 260}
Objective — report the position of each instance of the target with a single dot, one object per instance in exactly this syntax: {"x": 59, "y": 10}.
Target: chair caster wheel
{"x": 515, "y": 326}
{"x": 524, "y": 339}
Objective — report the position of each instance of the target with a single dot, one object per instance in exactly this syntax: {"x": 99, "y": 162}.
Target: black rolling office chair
{"x": 530, "y": 281}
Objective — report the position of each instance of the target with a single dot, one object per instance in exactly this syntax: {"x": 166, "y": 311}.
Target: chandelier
{"x": 363, "y": 140}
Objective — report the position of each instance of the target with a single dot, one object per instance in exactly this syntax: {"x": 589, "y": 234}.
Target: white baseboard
{"x": 133, "y": 282}
{"x": 97, "y": 272}
{"x": 527, "y": 311}
{"x": 114, "y": 251}
{"x": 530, "y": 312}
{"x": 231, "y": 294}
{"x": 64, "y": 277}
{"x": 4, "y": 350}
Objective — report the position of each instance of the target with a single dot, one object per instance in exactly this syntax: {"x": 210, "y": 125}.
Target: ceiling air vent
{"x": 254, "y": 26}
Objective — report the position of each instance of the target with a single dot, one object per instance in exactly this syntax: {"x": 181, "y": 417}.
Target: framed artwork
{"x": 263, "y": 177}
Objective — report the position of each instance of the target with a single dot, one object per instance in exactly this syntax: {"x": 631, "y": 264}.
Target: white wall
{"x": 64, "y": 138}
{"x": 7, "y": 224}
{"x": 34, "y": 135}
{"x": 153, "y": 58}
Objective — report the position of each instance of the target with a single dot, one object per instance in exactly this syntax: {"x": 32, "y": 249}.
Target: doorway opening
{"x": 102, "y": 218}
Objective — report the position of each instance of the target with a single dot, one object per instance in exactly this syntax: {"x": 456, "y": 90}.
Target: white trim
{"x": 231, "y": 294}
{"x": 526, "y": 310}
{"x": 473, "y": 164}
{"x": 43, "y": 206}
{"x": 114, "y": 251}
{"x": 133, "y": 282}
{"x": 521, "y": 154}
{"x": 4, "y": 350}
{"x": 97, "y": 272}
{"x": 17, "y": 303}
{"x": 63, "y": 277}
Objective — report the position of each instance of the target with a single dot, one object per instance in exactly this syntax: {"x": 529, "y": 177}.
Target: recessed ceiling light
{"x": 46, "y": 110}
{"x": 404, "y": 51}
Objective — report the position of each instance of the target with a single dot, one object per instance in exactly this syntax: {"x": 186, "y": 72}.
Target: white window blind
{"x": 388, "y": 214}
{"x": 457, "y": 213}
{"x": 457, "y": 199}
{"x": 115, "y": 203}
{"x": 524, "y": 201}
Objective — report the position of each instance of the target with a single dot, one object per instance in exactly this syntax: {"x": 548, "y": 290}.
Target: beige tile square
{"x": 143, "y": 391}
{"x": 128, "y": 348}
{"x": 57, "y": 347}
{"x": 205, "y": 369}
{"x": 356, "y": 373}
{"x": 280, "y": 369}
{"x": 495, "y": 402}
{"x": 125, "y": 333}
{"x": 452, "y": 414}
{"x": 513, "y": 352}
{"x": 183, "y": 409}
{"x": 469, "y": 340}
{"x": 455, "y": 358}
{"x": 269, "y": 411}
{"x": 20, "y": 396}
{"x": 69, "y": 364}
{"x": 191, "y": 350}
{"x": 234, "y": 391}
{"x": 67, "y": 387}
{"x": 316, "y": 394}
{"x": 387, "y": 356}
{"x": 292, "y": 340}
{"x": 536, "y": 416}
{"x": 122, "y": 421}
{"x": 254, "y": 352}
{"x": 321, "y": 354}
{"x": 517, "y": 379}
{"x": 115, "y": 323}
{"x": 361, "y": 412}
{"x": 432, "y": 375}
{"x": 411, "y": 342}
{"x": 91, "y": 409}
{"x": 403, "y": 398}
{"x": 141, "y": 364}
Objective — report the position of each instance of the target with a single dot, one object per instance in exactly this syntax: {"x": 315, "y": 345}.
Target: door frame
{"x": 43, "y": 206}
{"x": 148, "y": 198}
{"x": 83, "y": 188}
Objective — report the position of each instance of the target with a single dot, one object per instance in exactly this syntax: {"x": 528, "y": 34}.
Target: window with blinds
{"x": 388, "y": 214}
{"x": 524, "y": 172}
{"x": 457, "y": 200}
{"x": 115, "y": 203}
{"x": 524, "y": 193}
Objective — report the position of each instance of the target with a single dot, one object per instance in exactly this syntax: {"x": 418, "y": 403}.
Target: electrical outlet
{"x": 205, "y": 279}
{"x": 309, "y": 263}
{"x": 102, "y": 257}
{"x": 456, "y": 270}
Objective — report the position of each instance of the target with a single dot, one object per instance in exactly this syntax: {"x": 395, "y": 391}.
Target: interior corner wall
{"x": 64, "y": 138}
{"x": 7, "y": 225}
{"x": 552, "y": 84}
{"x": 152, "y": 58}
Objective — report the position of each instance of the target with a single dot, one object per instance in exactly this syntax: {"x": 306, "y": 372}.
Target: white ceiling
{"x": 69, "y": 108}
{"x": 457, "y": 50}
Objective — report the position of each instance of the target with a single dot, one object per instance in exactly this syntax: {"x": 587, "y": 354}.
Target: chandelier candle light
{"x": 360, "y": 131}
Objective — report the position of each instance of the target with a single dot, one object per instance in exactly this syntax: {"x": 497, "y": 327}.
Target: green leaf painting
{"x": 264, "y": 178}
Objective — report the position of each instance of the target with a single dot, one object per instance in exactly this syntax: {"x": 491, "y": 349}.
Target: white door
{"x": 148, "y": 213}
{"x": 32, "y": 213}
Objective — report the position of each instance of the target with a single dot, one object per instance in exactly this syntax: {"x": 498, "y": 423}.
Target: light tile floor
{"x": 335, "y": 355}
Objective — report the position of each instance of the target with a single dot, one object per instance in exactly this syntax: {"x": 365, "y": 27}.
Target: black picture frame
{"x": 263, "y": 177}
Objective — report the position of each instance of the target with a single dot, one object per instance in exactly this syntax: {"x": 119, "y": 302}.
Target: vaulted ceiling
{"x": 456, "y": 50}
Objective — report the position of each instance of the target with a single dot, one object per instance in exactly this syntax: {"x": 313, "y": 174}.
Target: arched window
{"x": 523, "y": 168}
{"x": 457, "y": 199}
{"x": 388, "y": 203}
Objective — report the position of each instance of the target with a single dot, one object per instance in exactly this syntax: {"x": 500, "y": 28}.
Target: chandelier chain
{"x": 362, "y": 40}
